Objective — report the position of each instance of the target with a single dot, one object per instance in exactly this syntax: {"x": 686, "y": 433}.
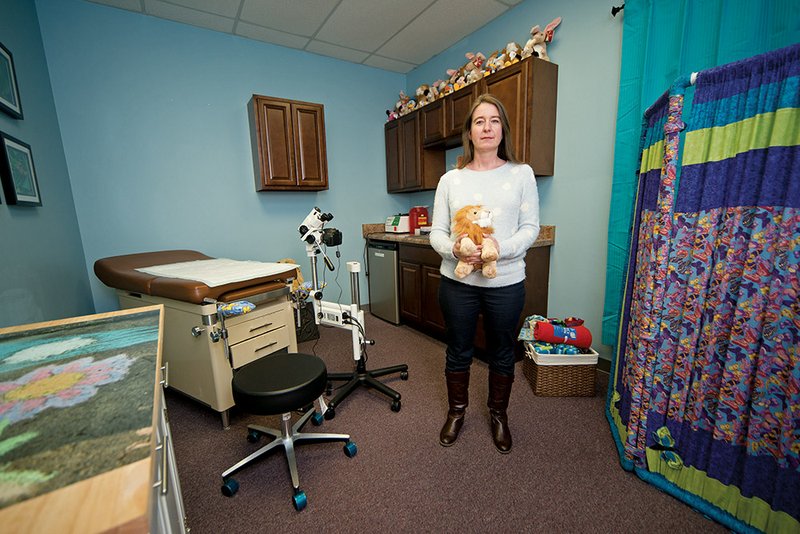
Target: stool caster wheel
{"x": 404, "y": 375}
{"x": 316, "y": 419}
{"x": 330, "y": 413}
{"x": 350, "y": 449}
{"x": 253, "y": 436}
{"x": 299, "y": 500}
{"x": 396, "y": 406}
{"x": 230, "y": 487}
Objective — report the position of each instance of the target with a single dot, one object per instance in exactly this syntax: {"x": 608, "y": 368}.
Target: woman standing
{"x": 487, "y": 174}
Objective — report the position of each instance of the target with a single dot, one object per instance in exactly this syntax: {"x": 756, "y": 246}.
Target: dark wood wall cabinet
{"x": 416, "y": 142}
{"x": 409, "y": 167}
{"x": 419, "y": 289}
{"x": 288, "y": 138}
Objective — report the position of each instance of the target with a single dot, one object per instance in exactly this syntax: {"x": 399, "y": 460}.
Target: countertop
{"x": 547, "y": 236}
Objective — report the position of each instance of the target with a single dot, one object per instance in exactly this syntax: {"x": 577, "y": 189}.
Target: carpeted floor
{"x": 563, "y": 474}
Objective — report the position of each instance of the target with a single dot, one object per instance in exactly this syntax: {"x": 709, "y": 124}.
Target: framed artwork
{"x": 17, "y": 172}
{"x": 9, "y": 91}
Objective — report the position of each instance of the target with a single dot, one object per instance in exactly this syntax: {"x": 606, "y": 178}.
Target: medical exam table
{"x": 202, "y": 347}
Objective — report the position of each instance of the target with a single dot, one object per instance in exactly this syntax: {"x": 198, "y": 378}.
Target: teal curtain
{"x": 663, "y": 40}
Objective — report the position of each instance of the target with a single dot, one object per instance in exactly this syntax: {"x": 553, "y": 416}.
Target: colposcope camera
{"x": 312, "y": 231}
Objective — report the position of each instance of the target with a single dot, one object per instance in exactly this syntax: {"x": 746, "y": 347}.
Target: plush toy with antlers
{"x": 474, "y": 223}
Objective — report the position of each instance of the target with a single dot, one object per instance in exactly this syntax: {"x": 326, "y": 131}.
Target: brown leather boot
{"x": 499, "y": 393}
{"x": 458, "y": 399}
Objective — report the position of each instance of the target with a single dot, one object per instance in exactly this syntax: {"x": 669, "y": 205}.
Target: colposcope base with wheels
{"x": 362, "y": 377}
{"x": 351, "y": 318}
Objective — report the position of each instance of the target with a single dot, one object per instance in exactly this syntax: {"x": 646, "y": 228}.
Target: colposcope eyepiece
{"x": 325, "y": 217}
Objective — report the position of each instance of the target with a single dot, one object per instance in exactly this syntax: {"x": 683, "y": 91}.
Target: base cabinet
{"x": 200, "y": 352}
{"x": 420, "y": 278}
{"x": 167, "y": 514}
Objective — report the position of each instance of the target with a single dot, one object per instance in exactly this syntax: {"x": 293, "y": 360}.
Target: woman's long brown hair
{"x": 505, "y": 150}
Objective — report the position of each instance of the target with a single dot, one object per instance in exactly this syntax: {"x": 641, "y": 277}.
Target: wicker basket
{"x": 549, "y": 376}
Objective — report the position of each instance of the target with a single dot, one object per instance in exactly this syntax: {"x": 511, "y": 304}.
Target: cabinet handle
{"x": 165, "y": 375}
{"x": 259, "y": 327}
{"x": 268, "y": 345}
{"x": 162, "y": 484}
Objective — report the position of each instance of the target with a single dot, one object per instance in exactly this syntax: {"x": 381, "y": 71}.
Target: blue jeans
{"x": 501, "y": 307}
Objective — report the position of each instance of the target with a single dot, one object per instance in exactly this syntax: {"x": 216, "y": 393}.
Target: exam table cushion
{"x": 120, "y": 272}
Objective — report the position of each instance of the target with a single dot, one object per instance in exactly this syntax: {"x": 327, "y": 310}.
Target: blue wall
{"x": 154, "y": 119}
{"x": 42, "y": 272}
{"x": 154, "y": 122}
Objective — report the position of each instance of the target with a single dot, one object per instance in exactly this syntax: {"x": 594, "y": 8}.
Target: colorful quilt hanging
{"x": 705, "y": 396}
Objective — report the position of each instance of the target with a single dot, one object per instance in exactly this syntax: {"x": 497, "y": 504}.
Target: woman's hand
{"x": 467, "y": 256}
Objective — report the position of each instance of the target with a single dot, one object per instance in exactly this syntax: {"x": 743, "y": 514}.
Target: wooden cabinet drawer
{"x": 259, "y": 346}
{"x": 254, "y": 326}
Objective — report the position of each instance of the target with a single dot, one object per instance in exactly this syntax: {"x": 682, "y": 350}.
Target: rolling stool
{"x": 280, "y": 384}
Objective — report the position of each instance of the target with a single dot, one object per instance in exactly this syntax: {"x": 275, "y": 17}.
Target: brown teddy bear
{"x": 474, "y": 224}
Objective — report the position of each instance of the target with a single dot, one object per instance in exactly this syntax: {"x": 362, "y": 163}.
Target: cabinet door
{"x": 392, "y": 134}
{"x": 432, "y": 116}
{"x": 276, "y": 142}
{"x": 456, "y": 110}
{"x": 432, "y": 312}
{"x": 510, "y": 86}
{"x": 410, "y": 176}
{"x": 309, "y": 145}
{"x": 410, "y": 287}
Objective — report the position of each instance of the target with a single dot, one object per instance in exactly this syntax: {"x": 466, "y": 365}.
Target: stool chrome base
{"x": 286, "y": 437}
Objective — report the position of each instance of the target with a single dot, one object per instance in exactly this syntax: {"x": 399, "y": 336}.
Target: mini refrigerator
{"x": 384, "y": 292}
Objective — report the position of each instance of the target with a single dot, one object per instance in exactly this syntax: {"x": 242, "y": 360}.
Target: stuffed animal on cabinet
{"x": 424, "y": 94}
{"x": 537, "y": 44}
{"x": 513, "y": 53}
{"x": 457, "y": 79}
{"x": 474, "y": 223}
{"x": 474, "y": 67}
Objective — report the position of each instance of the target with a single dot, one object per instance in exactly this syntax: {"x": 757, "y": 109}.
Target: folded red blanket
{"x": 579, "y": 336}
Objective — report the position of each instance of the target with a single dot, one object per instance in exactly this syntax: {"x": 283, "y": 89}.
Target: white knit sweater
{"x": 509, "y": 191}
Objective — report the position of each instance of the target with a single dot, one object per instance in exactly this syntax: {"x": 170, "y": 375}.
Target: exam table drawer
{"x": 256, "y": 326}
{"x": 259, "y": 346}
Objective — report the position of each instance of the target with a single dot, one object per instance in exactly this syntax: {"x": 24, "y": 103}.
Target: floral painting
{"x": 76, "y": 400}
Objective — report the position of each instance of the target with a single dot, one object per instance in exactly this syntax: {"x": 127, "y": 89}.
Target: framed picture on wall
{"x": 9, "y": 91}
{"x": 17, "y": 172}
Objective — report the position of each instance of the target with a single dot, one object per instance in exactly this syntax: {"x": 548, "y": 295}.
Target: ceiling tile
{"x": 251, "y": 31}
{"x": 367, "y": 24}
{"x": 302, "y": 17}
{"x": 327, "y": 49}
{"x": 130, "y": 5}
{"x": 188, "y": 16}
{"x": 386, "y": 63}
{"x": 226, "y": 8}
{"x": 438, "y": 29}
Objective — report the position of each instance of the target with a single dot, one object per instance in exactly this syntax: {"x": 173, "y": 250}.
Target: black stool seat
{"x": 279, "y": 383}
